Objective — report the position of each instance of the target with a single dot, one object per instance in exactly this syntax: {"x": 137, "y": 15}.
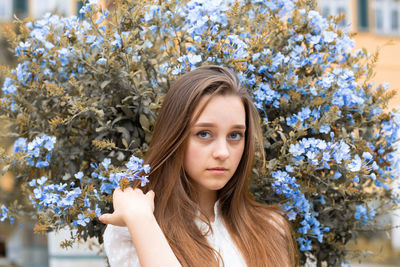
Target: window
{"x": 41, "y": 7}
{"x": 5, "y": 10}
{"x": 342, "y": 10}
{"x": 387, "y": 17}
{"x": 362, "y": 19}
{"x": 334, "y": 8}
{"x": 20, "y": 8}
{"x": 79, "y": 5}
{"x": 395, "y": 20}
{"x": 379, "y": 20}
{"x": 326, "y": 12}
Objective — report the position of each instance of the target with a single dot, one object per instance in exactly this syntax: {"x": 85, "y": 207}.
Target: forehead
{"x": 221, "y": 109}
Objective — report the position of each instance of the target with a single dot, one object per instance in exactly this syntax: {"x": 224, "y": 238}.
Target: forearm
{"x": 150, "y": 242}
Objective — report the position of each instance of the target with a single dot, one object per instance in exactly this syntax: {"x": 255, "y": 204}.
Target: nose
{"x": 221, "y": 150}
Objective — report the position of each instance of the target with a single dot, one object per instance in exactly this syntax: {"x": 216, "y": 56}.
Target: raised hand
{"x": 129, "y": 205}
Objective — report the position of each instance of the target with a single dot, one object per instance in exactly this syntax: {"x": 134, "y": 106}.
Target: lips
{"x": 217, "y": 170}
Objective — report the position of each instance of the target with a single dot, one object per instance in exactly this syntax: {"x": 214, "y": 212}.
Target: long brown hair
{"x": 260, "y": 232}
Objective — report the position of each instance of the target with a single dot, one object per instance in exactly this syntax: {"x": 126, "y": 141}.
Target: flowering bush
{"x": 86, "y": 92}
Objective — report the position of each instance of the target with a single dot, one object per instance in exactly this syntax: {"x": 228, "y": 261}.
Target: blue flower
{"x": 42, "y": 180}
{"x": 82, "y": 220}
{"x": 337, "y": 175}
{"x": 22, "y": 47}
{"x": 41, "y": 164}
{"x": 342, "y": 151}
{"x": 239, "y": 46}
{"x": 107, "y": 188}
{"x": 98, "y": 211}
{"x": 191, "y": 59}
{"x": 9, "y": 87}
{"x": 34, "y": 150}
{"x": 49, "y": 142}
{"x": 363, "y": 215}
{"x": 117, "y": 41}
{"x": 87, "y": 7}
{"x": 22, "y": 71}
{"x": 146, "y": 168}
{"x": 305, "y": 244}
{"x": 315, "y": 39}
{"x": 20, "y": 145}
{"x": 264, "y": 95}
{"x": 79, "y": 175}
{"x": 289, "y": 168}
{"x": 329, "y": 36}
{"x": 106, "y": 162}
{"x": 356, "y": 164}
{"x": 134, "y": 163}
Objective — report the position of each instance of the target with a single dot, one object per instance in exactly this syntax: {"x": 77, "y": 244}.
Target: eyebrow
{"x": 209, "y": 124}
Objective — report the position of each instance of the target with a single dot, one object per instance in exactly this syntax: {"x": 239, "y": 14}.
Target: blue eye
{"x": 203, "y": 134}
{"x": 236, "y": 136}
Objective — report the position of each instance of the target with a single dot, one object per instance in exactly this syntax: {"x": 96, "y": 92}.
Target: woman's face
{"x": 216, "y": 142}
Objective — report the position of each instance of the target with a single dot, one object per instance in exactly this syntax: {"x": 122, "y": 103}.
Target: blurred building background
{"x": 376, "y": 22}
{"x": 37, "y": 8}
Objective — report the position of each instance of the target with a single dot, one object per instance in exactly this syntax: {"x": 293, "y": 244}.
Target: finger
{"x": 151, "y": 194}
{"x": 108, "y": 218}
{"x": 103, "y": 218}
{"x": 138, "y": 190}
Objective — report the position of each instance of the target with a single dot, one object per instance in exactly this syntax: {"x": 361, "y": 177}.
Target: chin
{"x": 215, "y": 186}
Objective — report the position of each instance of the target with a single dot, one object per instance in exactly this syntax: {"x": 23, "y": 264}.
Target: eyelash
{"x": 207, "y": 132}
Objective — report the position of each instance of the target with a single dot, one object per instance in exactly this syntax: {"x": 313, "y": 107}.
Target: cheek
{"x": 238, "y": 153}
{"x": 191, "y": 156}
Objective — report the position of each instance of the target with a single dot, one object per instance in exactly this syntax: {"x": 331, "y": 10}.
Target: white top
{"x": 121, "y": 252}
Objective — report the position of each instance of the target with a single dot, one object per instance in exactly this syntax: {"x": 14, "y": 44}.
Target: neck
{"x": 207, "y": 201}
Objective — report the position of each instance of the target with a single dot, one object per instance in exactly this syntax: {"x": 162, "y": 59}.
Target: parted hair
{"x": 260, "y": 232}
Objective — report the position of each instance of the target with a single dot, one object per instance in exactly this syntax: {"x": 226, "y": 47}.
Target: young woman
{"x": 198, "y": 210}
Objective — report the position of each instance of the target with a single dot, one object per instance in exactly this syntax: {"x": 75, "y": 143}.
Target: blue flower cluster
{"x": 201, "y": 14}
{"x": 297, "y": 204}
{"x": 322, "y": 154}
{"x": 364, "y": 214}
{"x": 63, "y": 198}
{"x": 299, "y": 119}
{"x": 348, "y": 94}
{"x": 311, "y": 150}
{"x": 134, "y": 171}
{"x": 38, "y": 151}
{"x": 9, "y": 87}
{"x": 88, "y": 6}
{"x": 391, "y": 129}
{"x": 53, "y": 196}
{"x": 39, "y": 46}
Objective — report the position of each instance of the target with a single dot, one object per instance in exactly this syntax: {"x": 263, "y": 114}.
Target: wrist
{"x": 133, "y": 219}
